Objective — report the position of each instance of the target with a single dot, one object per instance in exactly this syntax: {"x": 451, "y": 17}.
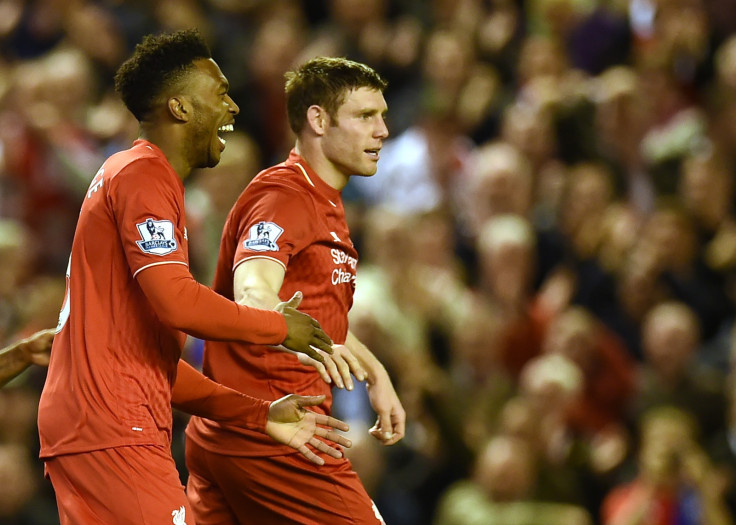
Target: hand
{"x": 303, "y": 332}
{"x": 391, "y": 421}
{"x": 337, "y": 367}
{"x": 37, "y": 348}
{"x": 288, "y": 423}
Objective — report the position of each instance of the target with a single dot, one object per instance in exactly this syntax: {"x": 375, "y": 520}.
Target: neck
{"x": 322, "y": 166}
{"x": 169, "y": 141}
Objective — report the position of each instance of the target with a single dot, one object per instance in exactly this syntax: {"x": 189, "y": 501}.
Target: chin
{"x": 367, "y": 172}
{"x": 213, "y": 159}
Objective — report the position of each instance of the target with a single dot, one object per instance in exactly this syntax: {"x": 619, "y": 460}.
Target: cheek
{"x": 339, "y": 149}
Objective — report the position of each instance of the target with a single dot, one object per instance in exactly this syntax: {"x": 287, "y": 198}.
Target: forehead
{"x": 206, "y": 70}
{"x": 363, "y": 99}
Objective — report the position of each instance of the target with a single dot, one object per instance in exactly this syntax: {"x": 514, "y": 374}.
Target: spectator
{"x": 675, "y": 481}
{"x": 500, "y": 491}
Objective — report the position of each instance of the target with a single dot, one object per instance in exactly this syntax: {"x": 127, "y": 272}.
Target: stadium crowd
{"x": 548, "y": 248}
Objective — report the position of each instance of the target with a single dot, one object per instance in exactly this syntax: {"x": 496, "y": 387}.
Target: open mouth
{"x": 227, "y": 128}
{"x": 373, "y": 152}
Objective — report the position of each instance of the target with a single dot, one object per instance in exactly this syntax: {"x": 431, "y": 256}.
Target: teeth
{"x": 226, "y": 127}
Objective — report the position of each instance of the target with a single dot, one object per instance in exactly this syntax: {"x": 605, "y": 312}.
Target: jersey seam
{"x": 241, "y": 261}
{"x": 139, "y": 270}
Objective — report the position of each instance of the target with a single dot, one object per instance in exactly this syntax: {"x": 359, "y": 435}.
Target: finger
{"x": 295, "y": 300}
{"x": 313, "y": 353}
{"x": 384, "y": 424}
{"x": 385, "y": 439}
{"x": 395, "y": 438}
{"x": 325, "y": 448}
{"x": 382, "y": 429}
{"x": 358, "y": 371}
{"x": 322, "y": 341}
{"x": 331, "y": 367}
{"x": 344, "y": 370}
{"x": 399, "y": 427}
{"x": 320, "y": 367}
{"x": 311, "y": 456}
{"x": 376, "y": 432}
{"x": 329, "y": 421}
{"x": 379, "y": 435}
{"x": 321, "y": 334}
{"x": 336, "y": 438}
{"x": 309, "y": 401}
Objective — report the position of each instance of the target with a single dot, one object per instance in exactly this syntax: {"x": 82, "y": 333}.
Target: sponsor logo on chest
{"x": 345, "y": 267}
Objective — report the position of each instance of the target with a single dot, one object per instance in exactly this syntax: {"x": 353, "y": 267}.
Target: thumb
{"x": 309, "y": 401}
{"x": 383, "y": 429}
{"x": 295, "y": 300}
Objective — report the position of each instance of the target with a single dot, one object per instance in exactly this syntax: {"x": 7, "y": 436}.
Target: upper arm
{"x": 147, "y": 205}
{"x": 257, "y": 282}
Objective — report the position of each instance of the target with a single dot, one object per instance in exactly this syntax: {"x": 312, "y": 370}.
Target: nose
{"x": 233, "y": 107}
{"x": 382, "y": 128}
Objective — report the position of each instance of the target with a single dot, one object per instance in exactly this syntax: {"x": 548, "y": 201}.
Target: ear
{"x": 179, "y": 108}
{"x": 317, "y": 119}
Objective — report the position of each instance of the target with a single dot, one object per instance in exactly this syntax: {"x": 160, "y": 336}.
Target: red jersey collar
{"x": 311, "y": 176}
{"x": 150, "y": 145}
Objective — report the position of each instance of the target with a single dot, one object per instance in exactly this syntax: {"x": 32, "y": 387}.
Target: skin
{"x": 350, "y": 143}
{"x": 33, "y": 350}
{"x": 337, "y": 148}
{"x": 185, "y": 127}
{"x": 289, "y": 423}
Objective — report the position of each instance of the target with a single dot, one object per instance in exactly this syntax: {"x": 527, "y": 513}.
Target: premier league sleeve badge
{"x": 157, "y": 237}
{"x": 262, "y": 237}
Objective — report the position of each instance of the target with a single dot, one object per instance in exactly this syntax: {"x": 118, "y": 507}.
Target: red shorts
{"x": 232, "y": 490}
{"x": 136, "y": 485}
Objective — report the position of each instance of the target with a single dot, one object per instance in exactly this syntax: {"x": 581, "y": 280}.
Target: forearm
{"x": 198, "y": 395}
{"x": 186, "y": 305}
{"x": 257, "y": 297}
{"x": 370, "y": 363}
{"x": 12, "y": 362}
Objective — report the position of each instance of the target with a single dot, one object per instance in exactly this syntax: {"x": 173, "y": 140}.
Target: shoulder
{"x": 140, "y": 171}
{"x": 282, "y": 177}
{"x": 281, "y": 183}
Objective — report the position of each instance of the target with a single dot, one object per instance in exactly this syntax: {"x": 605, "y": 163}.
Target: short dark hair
{"x": 324, "y": 81}
{"x": 157, "y": 63}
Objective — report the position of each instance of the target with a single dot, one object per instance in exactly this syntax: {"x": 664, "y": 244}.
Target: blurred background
{"x": 547, "y": 250}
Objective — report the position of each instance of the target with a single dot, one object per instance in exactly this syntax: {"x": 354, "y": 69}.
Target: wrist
{"x": 22, "y": 353}
{"x": 375, "y": 373}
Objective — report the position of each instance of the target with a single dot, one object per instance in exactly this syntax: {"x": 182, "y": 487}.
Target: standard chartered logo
{"x": 341, "y": 274}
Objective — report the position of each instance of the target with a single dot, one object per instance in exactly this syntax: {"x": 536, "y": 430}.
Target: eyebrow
{"x": 371, "y": 111}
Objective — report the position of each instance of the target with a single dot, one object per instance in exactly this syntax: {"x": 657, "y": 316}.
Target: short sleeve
{"x": 274, "y": 223}
{"x": 148, "y": 205}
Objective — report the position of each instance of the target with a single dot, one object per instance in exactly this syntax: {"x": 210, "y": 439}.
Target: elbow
{"x": 174, "y": 318}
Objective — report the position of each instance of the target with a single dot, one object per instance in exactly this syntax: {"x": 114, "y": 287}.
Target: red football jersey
{"x": 113, "y": 362}
{"x": 288, "y": 214}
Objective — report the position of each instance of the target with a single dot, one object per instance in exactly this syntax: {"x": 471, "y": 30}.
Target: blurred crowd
{"x": 548, "y": 249}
